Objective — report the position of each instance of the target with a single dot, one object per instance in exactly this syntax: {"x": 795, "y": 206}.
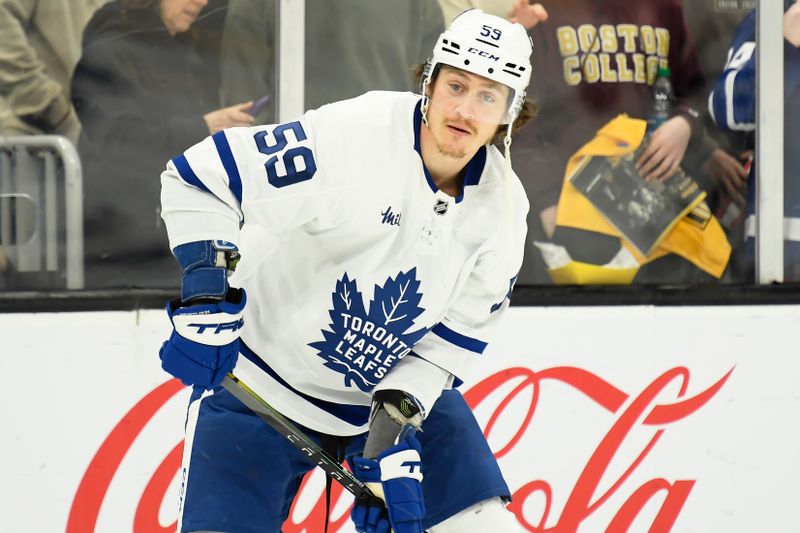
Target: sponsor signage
{"x": 603, "y": 420}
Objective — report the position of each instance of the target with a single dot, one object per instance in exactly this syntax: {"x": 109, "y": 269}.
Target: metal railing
{"x": 47, "y": 169}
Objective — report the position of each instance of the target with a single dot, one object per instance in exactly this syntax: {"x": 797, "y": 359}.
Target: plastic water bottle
{"x": 663, "y": 103}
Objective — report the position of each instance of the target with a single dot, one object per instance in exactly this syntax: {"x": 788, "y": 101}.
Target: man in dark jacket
{"x": 146, "y": 86}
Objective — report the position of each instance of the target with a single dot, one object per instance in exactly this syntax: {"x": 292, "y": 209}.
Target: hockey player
{"x": 379, "y": 240}
{"x": 732, "y": 104}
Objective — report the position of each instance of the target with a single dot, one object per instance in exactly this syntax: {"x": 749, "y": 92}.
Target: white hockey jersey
{"x": 352, "y": 259}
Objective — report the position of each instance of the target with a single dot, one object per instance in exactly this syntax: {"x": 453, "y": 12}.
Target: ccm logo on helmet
{"x": 481, "y": 53}
{"x": 219, "y": 328}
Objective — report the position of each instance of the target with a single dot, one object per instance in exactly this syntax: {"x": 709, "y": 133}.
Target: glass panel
{"x": 718, "y": 34}
{"x": 249, "y": 57}
{"x": 791, "y": 154}
{"x": 153, "y": 78}
{"x": 351, "y": 47}
{"x": 17, "y": 219}
{"x": 625, "y": 85}
{"x": 145, "y": 89}
{"x": 40, "y": 218}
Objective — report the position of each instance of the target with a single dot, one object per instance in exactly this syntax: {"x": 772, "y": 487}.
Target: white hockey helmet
{"x": 488, "y": 46}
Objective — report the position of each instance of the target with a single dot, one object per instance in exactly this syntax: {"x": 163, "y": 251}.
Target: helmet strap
{"x": 425, "y": 100}
{"x": 509, "y": 173}
{"x": 507, "y": 146}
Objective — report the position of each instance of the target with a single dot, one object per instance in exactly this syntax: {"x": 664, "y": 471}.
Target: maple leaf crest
{"x": 363, "y": 346}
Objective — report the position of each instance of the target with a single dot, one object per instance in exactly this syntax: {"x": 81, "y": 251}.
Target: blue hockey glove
{"x": 207, "y": 319}
{"x": 204, "y": 343}
{"x": 395, "y": 477}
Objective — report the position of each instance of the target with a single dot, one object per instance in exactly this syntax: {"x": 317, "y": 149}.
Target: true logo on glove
{"x": 412, "y": 465}
{"x": 234, "y": 325}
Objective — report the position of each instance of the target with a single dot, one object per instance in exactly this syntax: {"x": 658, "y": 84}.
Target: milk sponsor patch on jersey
{"x": 364, "y": 344}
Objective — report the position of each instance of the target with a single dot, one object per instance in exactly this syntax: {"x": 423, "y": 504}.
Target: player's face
{"x": 179, "y": 15}
{"x": 464, "y": 112}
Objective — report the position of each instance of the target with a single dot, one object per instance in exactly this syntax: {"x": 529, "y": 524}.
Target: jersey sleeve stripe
{"x": 462, "y": 341}
{"x": 226, "y": 156}
{"x": 187, "y": 174}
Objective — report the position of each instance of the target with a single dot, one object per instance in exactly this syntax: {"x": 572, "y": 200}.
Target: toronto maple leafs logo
{"x": 363, "y": 345}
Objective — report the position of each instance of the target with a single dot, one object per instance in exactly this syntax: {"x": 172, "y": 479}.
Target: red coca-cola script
{"x": 628, "y": 413}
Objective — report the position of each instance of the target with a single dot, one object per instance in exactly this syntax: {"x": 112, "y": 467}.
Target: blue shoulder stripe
{"x": 226, "y": 155}
{"x": 462, "y": 341}
{"x": 187, "y": 174}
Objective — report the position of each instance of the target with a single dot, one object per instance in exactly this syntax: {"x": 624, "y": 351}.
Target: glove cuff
{"x": 204, "y": 282}
{"x": 205, "y": 268}
{"x": 367, "y": 470}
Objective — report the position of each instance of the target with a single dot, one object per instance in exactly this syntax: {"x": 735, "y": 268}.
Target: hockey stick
{"x": 299, "y": 440}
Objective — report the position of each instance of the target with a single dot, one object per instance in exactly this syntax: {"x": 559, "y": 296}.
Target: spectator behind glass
{"x": 733, "y": 107}
{"x": 723, "y": 173}
{"x": 351, "y": 46}
{"x": 521, "y": 11}
{"x": 39, "y": 45}
{"x": 146, "y": 86}
{"x": 579, "y": 92}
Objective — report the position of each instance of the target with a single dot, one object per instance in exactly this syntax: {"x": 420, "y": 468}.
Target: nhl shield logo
{"x": 440, "y": 208}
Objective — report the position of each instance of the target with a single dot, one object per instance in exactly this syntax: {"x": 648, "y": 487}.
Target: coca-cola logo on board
{"x": 645, "y": 410}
